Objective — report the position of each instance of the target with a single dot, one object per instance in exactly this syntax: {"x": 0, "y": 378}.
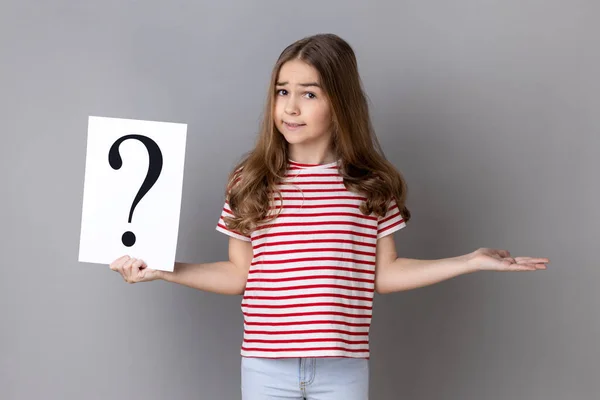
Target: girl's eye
{"x": 283, "y": 92}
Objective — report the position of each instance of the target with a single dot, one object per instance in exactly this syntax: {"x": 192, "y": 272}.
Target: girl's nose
{"x": 291, "y": 107}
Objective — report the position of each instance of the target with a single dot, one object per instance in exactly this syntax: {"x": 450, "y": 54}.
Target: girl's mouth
{"x": 293, "y": 126}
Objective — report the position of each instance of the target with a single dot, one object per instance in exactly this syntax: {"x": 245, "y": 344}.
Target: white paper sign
{"x": 132, "y": 191}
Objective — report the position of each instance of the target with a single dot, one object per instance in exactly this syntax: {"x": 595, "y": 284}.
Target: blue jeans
{"x": 320, "y": 378}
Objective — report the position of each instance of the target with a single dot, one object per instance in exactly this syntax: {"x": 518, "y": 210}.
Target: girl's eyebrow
{"x": 315, "y": 84}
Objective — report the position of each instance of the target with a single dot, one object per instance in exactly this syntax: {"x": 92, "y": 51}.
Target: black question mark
{"x": 154, "y": 168}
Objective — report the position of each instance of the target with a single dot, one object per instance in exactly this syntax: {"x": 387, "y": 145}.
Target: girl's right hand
{"x": 134, "y": 270}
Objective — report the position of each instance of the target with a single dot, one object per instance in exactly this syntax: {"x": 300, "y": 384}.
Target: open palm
{"x": 485, "y": 259}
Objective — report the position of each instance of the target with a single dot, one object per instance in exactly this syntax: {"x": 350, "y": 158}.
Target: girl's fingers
{"x": 526, "y": 263}
{"x": 131, "y": 269}
{"x": 126, "y": 270}
{"x": 522, "y": 267}
{"x": 118, "y": 263}
{"x": 135, "y": 271}
{"x": 531, "y": 260}
{"x": 532, "y": 267}
{"x": 144, "y": 268}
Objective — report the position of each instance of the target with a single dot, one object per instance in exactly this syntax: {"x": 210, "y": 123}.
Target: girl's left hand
{"x": 485, "y": 259}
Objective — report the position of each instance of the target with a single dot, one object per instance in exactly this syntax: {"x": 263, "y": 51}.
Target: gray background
{"x": 489, "y": 108}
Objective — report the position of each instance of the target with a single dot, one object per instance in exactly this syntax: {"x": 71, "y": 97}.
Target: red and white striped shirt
{"x": 311, "y": 282}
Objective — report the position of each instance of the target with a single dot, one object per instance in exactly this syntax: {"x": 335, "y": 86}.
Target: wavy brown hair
{"x": 252, "y": 184}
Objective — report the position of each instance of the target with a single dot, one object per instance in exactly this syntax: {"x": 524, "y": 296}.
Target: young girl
{"x": 310, "y": 214}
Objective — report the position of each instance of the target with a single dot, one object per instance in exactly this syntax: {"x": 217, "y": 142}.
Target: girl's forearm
{"x": 406, "y": 273}
{"x": 222, "y": 277}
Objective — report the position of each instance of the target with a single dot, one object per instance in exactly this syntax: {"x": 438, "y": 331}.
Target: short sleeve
{"x": 221, "y": 227}
{"x": 391, "y": 222}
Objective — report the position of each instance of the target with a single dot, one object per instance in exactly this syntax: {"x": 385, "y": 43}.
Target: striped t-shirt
{"x": 311, "y": 282}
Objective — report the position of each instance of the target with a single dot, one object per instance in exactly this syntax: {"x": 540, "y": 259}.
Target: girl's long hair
{"x": 252, "y": 184}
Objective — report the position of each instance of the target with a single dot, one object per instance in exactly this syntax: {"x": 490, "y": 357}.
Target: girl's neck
{"x": 314, "y": 157}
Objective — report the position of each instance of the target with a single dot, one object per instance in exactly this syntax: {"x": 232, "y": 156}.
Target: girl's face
{"x": 302, "y": 113}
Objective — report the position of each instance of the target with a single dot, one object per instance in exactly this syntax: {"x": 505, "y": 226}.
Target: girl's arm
{"x": 393, "y": 274}
{"x": 224, "y": 277}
